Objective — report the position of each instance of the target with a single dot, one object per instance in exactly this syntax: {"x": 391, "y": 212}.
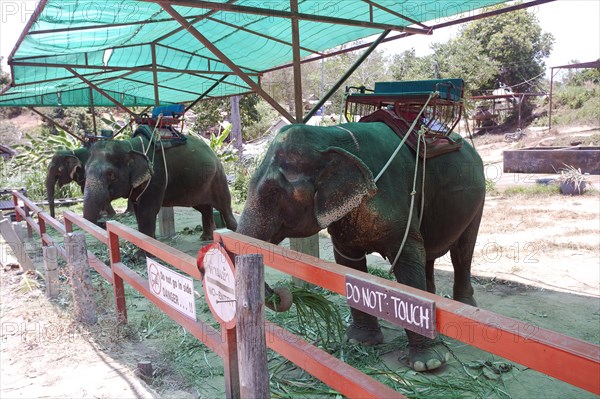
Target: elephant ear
{"x": 139, "y": 169}
{"x": 74, "y": 168}
{"x": 341, "y": 186}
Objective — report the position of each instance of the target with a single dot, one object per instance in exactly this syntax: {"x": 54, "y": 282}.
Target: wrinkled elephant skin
{"x": 189, "y": 175}
{"x": 317, "y": 177}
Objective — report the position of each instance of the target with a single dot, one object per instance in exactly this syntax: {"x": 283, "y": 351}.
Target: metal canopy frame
{"x": 94, "y": 76}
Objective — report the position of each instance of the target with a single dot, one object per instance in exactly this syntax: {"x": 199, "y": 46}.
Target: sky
{"x": 575, "y": 25}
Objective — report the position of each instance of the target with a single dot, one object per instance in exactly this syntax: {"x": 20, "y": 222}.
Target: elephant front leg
{"x": 364, "y": 328}
{"x": 411, "y": 269}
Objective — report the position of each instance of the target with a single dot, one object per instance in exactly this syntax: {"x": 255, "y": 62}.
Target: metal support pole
{"x": 93, "y": 110}
{"x": 350, "y": 71}
{"x": 296, "y": 57}
{"x": 224, "y": 59}
{"x": 155, "y": 75}
{"x": 99, "y": 90}
{"x": 550, "y": 102}
{"x": 56, "y": 124}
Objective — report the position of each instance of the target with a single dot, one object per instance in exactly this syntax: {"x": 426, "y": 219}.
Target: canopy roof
{"x": 148, "y": 52}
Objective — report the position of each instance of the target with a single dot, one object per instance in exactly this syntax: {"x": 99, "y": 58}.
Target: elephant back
{"x": 166, "y": 136}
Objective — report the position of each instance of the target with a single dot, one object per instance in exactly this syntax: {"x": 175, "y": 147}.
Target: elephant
{"x": 151, "y": 176}
{"x": 316, "y": 177}
{"x": 67, "y": 166}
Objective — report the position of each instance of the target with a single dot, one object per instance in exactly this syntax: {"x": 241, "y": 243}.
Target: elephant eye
{"x": 111, "y": 176}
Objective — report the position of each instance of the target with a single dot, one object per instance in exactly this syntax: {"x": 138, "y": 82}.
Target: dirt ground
{"x": 537, "y": 260}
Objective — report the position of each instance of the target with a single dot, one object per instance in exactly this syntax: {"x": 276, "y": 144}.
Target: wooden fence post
{"x": 250, "y": 324}
{"x": 51, "y": 268}
{"x": 81, "y": 279}
{"x": 166, "y": 222}
{"x": 11, "y": 238}
{"x": 18, "y": 228}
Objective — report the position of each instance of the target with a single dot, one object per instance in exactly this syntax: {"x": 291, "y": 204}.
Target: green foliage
{"x": 516, "y": 43}
{"x": 39, "y": 149}
{"x": 575, "y": 96}
{"x": 535, "y": 190}
{"x": 29, "y": 166}
{"x": 509, "y": 48}
{"x": 580, "y": 77}
{"x": 257, "y": 129}
{"x": 218, "y": 143}
{"x": 465, "y": 57}
{"x": 4, "y": 77}
{"x": 576, "y": 104}
{"x": 490, "y": 186}
{"x": 211, "y": 113}
{"x": 76, "y": 120}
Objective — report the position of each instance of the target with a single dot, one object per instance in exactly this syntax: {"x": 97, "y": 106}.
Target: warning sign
{"x": 219, "y": 283}
{"x": 173, "y": 288}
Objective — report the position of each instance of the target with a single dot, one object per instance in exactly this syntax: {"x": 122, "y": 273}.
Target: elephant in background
{"x": 323, "y": 177}
{"x": 64, "y": 167}
{"x": 188, "y": 175}
{"x": 67, "y": 166}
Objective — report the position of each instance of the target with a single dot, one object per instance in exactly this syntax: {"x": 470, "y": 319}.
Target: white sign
{"x": 174, "y": 289}
{"x": 219, "y": 283}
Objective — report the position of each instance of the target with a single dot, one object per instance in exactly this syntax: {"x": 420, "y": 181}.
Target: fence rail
{"x": 568, "y": 359}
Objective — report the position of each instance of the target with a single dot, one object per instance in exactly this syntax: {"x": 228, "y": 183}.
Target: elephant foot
{"x": 428, "y": 355}
{"x": 206, "y": 237}
{"x": 469, "y": 300}
{"x": 367, "y": 336}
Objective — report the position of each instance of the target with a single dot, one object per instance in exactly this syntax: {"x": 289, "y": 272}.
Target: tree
{"x": 463, "y": 57}
{"x": 4, "y": 77}
{"x": 515, "y": 42}
{"x": 213, "y": 111}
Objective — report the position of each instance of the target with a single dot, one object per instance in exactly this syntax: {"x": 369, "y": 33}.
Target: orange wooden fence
{"x": 568, "y": 359}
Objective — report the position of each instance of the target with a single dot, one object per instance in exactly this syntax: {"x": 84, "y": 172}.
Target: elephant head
{"x": 64, "y": 167}
{"x": 114, "y": 170}
{"x": 301, "y": 188}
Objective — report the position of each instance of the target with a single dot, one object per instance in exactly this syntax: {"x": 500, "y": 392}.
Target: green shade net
{"x": 124, "y": 46}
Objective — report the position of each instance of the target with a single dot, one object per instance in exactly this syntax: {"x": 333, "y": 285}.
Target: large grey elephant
{"x": 67, "y": 166}
{"x": 324, "y": 177}
{"x": 188, "y": 175}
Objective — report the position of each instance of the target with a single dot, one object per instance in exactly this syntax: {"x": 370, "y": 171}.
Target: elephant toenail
{"x": 419, "y": 366}
{"x": 433, "y": 364}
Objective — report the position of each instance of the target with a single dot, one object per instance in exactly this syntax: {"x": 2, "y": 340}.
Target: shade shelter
{"x": 129, "y": 53}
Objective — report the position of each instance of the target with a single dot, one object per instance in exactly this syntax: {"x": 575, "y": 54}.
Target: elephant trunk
{"x": 256, "y": 223}
{"x": 51, "y": 179}
{"x": 279, "y": 299}
{"x": 95, "y": 199}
